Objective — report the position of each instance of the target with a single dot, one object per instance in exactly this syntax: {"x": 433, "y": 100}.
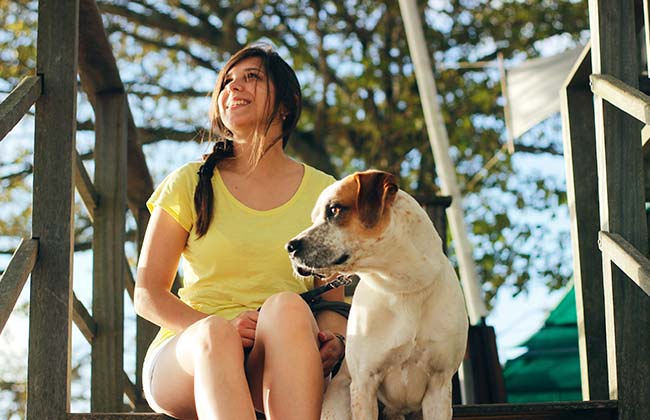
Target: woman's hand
{"x": 332, "y": 350}
{"x": 245, "y": 323}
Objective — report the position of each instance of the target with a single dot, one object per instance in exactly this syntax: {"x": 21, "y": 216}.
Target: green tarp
{"x": 550, "y": 368}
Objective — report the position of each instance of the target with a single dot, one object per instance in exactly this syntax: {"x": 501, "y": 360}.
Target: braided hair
{"x": 288, "y": 100}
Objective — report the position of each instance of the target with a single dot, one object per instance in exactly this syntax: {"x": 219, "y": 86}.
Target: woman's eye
{"x": 252, "y": 76}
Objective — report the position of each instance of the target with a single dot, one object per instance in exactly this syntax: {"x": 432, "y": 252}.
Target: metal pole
{"x": 440, "y": 146}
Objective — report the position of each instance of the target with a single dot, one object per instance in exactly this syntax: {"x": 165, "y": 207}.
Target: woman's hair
{"x": 288, "y": 103}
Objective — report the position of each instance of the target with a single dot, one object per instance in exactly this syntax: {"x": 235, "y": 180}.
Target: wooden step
{"x": 579, "y": 410}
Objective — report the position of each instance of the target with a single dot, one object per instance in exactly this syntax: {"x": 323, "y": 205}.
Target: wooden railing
{"x": 626, "y": 257}
{"x": 47, "y": 256}
{"x": 605, "y": 121}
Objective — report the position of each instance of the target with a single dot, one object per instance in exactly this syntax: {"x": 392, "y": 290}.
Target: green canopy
{"x": 550, "y": 368}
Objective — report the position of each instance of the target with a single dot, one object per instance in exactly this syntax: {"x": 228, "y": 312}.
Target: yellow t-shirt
{"x": 241, "y": 260}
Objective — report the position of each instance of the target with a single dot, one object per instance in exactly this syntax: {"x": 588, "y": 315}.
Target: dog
{"x": 407, "y": 328}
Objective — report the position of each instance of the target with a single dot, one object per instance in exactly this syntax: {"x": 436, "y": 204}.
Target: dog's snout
{"x": 294, "y": 246}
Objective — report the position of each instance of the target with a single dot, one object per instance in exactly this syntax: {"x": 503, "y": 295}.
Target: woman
{"x": 217, "y": 356}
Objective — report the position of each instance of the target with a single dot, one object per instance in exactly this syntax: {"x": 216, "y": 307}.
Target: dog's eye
{"x": 333, "y": 210}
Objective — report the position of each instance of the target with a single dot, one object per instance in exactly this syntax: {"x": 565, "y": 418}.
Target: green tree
{"x": 362, "y": 106}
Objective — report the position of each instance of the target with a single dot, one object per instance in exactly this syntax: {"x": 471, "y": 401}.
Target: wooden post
{"x": 107, "y": 385}
{"x": 582, "y": 196}
{"x": 620, "y": 185}
{"x": 48, "y": 372}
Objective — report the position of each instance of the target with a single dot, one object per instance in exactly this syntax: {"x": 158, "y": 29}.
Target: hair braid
{"x": 203, "y": 194}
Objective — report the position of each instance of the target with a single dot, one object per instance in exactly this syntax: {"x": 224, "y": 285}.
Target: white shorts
{"x": 148, "y": 366}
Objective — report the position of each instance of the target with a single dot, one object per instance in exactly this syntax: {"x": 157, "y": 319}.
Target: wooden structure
{"x": 606, "y": 144}
{"x": 608, "y": 147}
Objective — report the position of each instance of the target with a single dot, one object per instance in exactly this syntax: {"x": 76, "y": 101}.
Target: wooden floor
{"x": 583, "y": 410}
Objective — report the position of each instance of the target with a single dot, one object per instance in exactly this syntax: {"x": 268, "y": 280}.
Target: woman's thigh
{"x": 172, "y": 386}
{"x": 173, "y": 379}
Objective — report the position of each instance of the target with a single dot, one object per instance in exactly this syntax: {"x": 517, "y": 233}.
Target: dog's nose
{"x": 293, "y": 246}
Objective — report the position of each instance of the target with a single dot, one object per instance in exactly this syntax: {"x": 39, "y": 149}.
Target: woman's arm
{"x": 332, "y": 327}
{"x": 161, "y": 250}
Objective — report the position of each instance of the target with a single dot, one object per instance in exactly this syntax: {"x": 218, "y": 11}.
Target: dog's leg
{"x": 436, "y": 404}
{"x": 363, "y": 395}
{"x": 336, "y": 402}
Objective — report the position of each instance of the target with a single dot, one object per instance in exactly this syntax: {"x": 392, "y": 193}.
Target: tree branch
{"x": 157, "y": 43}
{"x": 163, "y": 22}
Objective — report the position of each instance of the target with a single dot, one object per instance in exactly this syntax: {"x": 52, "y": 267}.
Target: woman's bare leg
{"x": 200, "y": 374}
{"x": 284, "y": 368}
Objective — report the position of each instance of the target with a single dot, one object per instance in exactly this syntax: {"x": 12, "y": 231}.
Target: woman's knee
{"x": 289, "y": 310}
{"x": 212, "y": 337}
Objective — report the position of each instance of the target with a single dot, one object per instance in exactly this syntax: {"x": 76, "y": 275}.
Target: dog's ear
{"x": 375, "y": 192}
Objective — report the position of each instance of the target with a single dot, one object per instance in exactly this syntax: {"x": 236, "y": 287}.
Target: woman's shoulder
{"x": 318, "y": 177}
{"x": 187, "y": 169}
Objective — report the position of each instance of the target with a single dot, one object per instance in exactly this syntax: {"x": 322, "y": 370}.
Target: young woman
{"x": 229, "y": 217}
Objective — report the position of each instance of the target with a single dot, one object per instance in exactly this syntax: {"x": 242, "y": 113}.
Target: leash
{"x": 312, "y": 295}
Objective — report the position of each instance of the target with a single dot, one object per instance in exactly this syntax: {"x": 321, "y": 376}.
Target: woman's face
{"x": 244, "y": 100}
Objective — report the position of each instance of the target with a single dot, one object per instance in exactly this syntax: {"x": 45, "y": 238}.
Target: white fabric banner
{"x": 533, "y": 89}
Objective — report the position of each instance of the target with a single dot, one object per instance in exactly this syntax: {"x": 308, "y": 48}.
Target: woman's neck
{"x": 272, "y": 162}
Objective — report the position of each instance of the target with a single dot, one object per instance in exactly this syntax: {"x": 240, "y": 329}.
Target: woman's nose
{"x": 235, "y": 85}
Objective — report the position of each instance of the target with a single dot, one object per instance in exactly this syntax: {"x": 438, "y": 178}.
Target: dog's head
{"x": 349, "y": 220}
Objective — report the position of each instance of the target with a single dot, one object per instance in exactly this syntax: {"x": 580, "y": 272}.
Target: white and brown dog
{"x": 407, "y": 329}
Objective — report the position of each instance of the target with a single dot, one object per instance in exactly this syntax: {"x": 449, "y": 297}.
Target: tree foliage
{"x": 362, "y": 106}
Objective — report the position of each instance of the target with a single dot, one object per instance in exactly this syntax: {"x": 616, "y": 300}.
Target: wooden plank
{"x": 129, "y": 281}
{"x": 622, "y": 209}
{"x": 627, "y": 258}
{"x": 578, "y": 132}
{"x": 130, "y": 390}
{"x": 15, "y": 276}
{"x": 645, "y": 142}
{"x": 646, "y": 31}
{"x": 85, "y": 187}
{"x": 83, "y": 320}
{"x": 48, "y": 371}
{"x": 117, "y": 416}
{"x": 98, "y": 73}
{"x": 16, "y": 105}
{"x": 624, "y": 97}
{"x": 578, "y": 410}
{"x": 108, "y": 253}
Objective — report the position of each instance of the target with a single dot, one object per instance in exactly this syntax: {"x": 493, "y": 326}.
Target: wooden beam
{"x": 108, "y": 252}
{"x": 129, "y": 281}
{"x": 117, "y": 416}
{"x": 85, "y": 187}
{"x": 50, "y": 309}
{"x": 576, "y": 410}
{"x": 15, "y": 276}
{"x": 624, "y": 97}
{"x": 83, "y": 320}
{"x": 626, "y": 257}
{"x": 582, "y": 196}
{"x": 98, "y": 73}
{"x": 622, "y": 208}
{"x": 16, "y": 105}
{"x": 130, "y": 389}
